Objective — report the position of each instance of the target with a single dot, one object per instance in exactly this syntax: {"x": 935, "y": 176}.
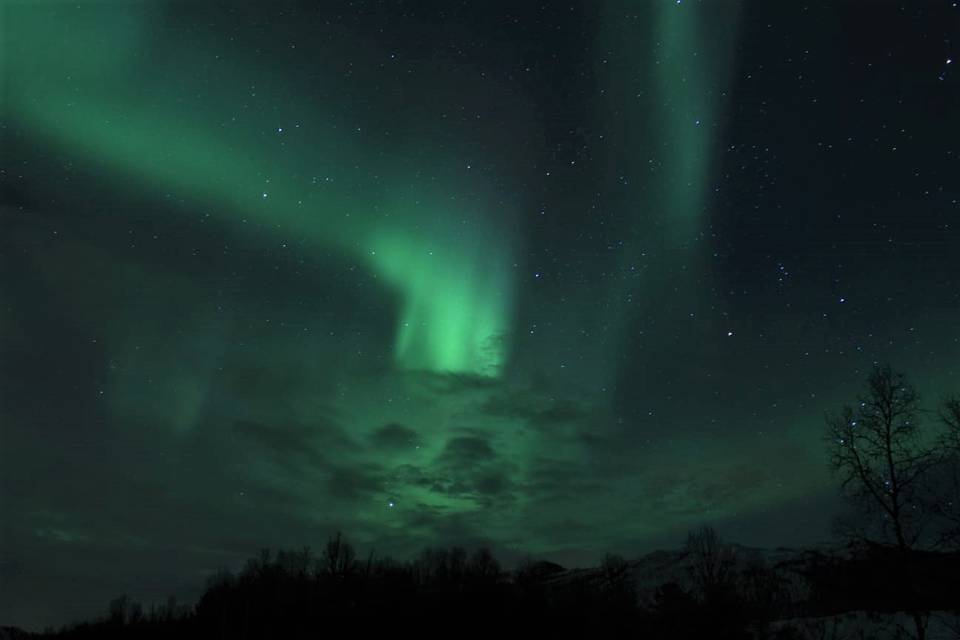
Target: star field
{"x": 563, "y": 278}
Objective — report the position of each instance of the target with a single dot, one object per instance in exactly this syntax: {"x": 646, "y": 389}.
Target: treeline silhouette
{"x": 899, "y": 556}
{"x": 298, "y": 594}
{"x": 726, "y": 592}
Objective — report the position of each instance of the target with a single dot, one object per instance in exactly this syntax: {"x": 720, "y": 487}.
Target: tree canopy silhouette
{"x": 884, "y": 464}
{"x": 878, "y": 452}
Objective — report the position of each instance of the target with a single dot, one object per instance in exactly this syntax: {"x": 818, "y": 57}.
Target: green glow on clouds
{"x": 490, "y": 458}
{"x": 460, "y": 449}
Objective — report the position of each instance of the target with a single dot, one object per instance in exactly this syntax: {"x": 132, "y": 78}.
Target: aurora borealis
{"x": 559, "y": 278}
{"x": 439, "y": 254}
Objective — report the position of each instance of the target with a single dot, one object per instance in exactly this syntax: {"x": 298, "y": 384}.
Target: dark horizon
{"x": 705, "y": 588}
{"x": 561, "y": 280}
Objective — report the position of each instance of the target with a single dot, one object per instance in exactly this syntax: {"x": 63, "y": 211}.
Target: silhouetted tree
{"x": 169, "y": 611}
{"x": 617, "y": 582}
{"x": 432, "y": 567}
{"x": 946, "y": 502}
{"x": 457, "y": 560}
{"x": 878, "y": 452}
{"x": 950, "y": 415}
{"x": 713, "y": 573}
{"x": 338, "y": 558}
{"x": 483, "y": 566}
{"x": 711, "y": 562}
{"x": 297, "y": 563}
{"x": 764, "y": 592}
{"x": 275, "y": 597}
{"x": 119, "y": 608}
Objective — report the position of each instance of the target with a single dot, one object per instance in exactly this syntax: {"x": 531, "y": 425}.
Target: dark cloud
{"x": 538, "y": 409}
{"x": 465, "y": 451}
{"x": 314, "y": 461}
{"x": 442, "y": 481}
{"x": 467, "y": 467}
{"x": 394, "y": 436}
{"x": 700, "y": 492}
{"x": 450, "y": 384}
{"x": 493, "y": 484}
{"x": 314, "y": 441}
{"x": 352, "y": 482}
{"x": 455, "y": 528}
{"x": 282, "y": 440}
{"x": 557, "y": 481}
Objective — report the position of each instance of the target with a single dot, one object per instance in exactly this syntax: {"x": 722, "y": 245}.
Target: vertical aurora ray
{"x": 666, "y": 83}
{"x": 111, "y": 99}
{"x": 665, "y": 74}
{"x": 456, "y": 301}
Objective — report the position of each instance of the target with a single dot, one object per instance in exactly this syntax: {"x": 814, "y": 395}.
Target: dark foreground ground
{"x": 702, "y": 591}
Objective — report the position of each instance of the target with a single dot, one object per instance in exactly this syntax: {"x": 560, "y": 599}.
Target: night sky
{"x": 561, "y": 278}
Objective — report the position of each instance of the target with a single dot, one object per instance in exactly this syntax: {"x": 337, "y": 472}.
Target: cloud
{"x": 535, "y": 408}
{"x": 394, "y": 436}
{"x": 466, "y": 451}
{"x": 701, "y": 492}
{"x": 450, "y": 384}
{"x": 293, "y": 439}
{"x": 313, "y": 442}
{"x": 353, "y": 482}
{"x": 493, "y": 484}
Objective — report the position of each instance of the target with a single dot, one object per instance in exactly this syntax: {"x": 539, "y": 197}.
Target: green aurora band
{"x": 447, "y": 257}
